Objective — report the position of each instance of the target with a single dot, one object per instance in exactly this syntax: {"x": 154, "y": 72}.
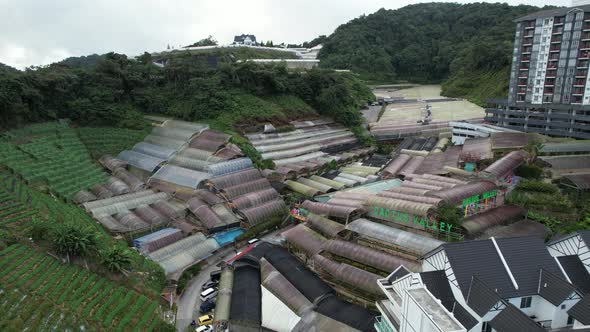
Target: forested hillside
{"x": 467, "y": 47}
{"x": 118, "y": 90}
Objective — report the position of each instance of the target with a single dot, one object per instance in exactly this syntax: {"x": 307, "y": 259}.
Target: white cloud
{"x": 36, "y": 32}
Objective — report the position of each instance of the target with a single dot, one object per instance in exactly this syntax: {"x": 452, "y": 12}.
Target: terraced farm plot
{"x": 38, "y": 292}
{"x": 54, "y": 156}
{"x": 109, "y": 140}
{"x": 13, "y": 211}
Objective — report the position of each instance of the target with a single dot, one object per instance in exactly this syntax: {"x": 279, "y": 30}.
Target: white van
{"x": 208, "y": 293}
{"x": 253, "y": 241}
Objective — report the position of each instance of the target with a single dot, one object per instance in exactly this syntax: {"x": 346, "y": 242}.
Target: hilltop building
{"x": 550, "y": 78}
{"x": 245, "y": 40}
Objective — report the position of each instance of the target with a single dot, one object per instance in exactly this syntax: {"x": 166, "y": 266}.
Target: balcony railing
{"x": 586, "y": 36}
{"x": 586, "y": 26}
{"x": 578, "y": 92}
{"x": 581, "y": 73}
{"x": 558, "y": 21}
{"x": 585, "y": 46}
{"x": 529, "y": 25}
{"x": 556, "y": 40}
{"x": 558, "y": 30}
{"x": 579, "y": 82}
{"x": 555, "y": 48}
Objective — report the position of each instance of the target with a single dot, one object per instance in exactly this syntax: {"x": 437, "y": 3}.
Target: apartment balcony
{"x": 559, "y": 115}
{"x": 578, "y": 134}
{"x": 582, "y": 64}
{"x": 586, "y": 26}
{"x": 558, "y": 125}
{"x": 581, "y": 73}
{"x": 537, "y": 122}
{"x": 557, "y": 31}
{"x": 585, "y": 36}
{"x": 529, "y": 25}
{"x": 584, "y": 46}
{"x": 556, "y": 40}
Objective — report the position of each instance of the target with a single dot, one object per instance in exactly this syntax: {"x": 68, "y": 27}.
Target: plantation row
{"x": 101, "y": 141}
{"x": 12, "y": 211}
{"x": 75, "y": 291}
{"x": 55, "y": 157}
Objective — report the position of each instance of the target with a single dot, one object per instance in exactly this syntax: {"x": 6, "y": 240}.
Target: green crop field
{"x": 110, "y": 140}
{"x": 38, "y": 292}
{"x": 53, "y": 155}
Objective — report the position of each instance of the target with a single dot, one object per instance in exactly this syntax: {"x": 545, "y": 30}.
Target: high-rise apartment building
{"x": 550, "y": 77}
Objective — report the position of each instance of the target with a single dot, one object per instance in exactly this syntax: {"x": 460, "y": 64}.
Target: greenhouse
{"x": 233, "y": 179}
{"x": 354, "y": 277}
{"x": 184, "y": 253}
{"x": 224, "y": 295}
{"x": 180, "y": 176}
{"x": 157, "y": 240}
{"x": 258, "y": 214}
{"x": 154, "y": 150}
{"x": 393, "y": 237}
{"x": 141, "y": 161}
{"x": 323, "y": 225}
{"x": 304, "y": 239}
{"x": 275, "y": 282}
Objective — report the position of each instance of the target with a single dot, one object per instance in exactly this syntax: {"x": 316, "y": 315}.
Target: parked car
{"x": 215, "y": 275}
{"x": 207, "y": 306}
{"x": 210, "y": 284}
{"x": 209, "y": 293}
{"x": 253, "y": 241}
{"x": 205, "y": 320}
{"x": 204, "y": 328}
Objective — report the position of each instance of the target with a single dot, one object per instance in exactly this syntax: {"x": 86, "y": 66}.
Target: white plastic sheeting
{"x": 154, "y": 150}
{"x": 128, "y": 204}
{"x": 174, "y": 133}
{"x": 195, "y": 127}
{"x": 230, "y": 166}
{"x": 184, "y": 252}
{"x": 165, "y": 141}
{"x": 298, "y": 159}
{"x": 139, "y": 160}
{"x": 276, "y": 315}
{"x": 180, "y": 176}
{"x": 108, "y": 201}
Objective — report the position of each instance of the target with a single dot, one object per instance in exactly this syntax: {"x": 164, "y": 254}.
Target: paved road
{"x": 371, "y": 114}
{"x": 188, "y": 304}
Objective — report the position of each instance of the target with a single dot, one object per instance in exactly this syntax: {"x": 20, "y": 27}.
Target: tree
{"x": 71, "y": 240}
{"x": 116, "y": 259}
{"x": 209, "y": 41}
{"x": 532, "y": 148}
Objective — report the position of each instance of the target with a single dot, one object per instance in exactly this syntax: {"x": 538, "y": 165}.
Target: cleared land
{"x": 441, "y": 111}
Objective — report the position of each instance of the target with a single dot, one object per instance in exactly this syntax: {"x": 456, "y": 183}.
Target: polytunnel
{"x": 348, "y": 274}
{"x": 396, "y": 165}
{"x": 185, "y": 252}
{"x": 131, "y": 180}
{"x": 233, "y": 179}
{"x": 117, "y": 187}
{"x": 499, "y": 216}
{"x": 154, "y": 150}
{"x": 246, "y": 187}
{"x": 414, "y": 198}
{"x": 230, "y": 166}
{"x": 304, "y": 239}
{"x": 302, "y": 189}
{"x": 276, "y": 283}
{"x": 111, "y": 163}
{"x": 392, "y": 204}
{"x": 337, "y": 211}
{"x": 255, "y": 198}
{"x": 368, "y": 256}
{"x": 389, "y": 236}
{"x": 224, "y": 294}
{"x": 141, "y": 161}
{"x": 180, "y": 176}
{"x": 157, "y": 240}
{"x": 323, "y": 225}
{"x": 259, "y": 214}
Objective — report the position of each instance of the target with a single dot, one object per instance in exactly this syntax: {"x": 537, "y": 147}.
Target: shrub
{"x": 258, "y": 229}
{"x": 187, "y": 275}
{"x": 537, "y": 186}
{"x": 529, "y": 171}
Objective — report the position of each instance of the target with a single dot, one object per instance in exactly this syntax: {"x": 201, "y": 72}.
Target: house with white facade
{"x": 508, "y": 284}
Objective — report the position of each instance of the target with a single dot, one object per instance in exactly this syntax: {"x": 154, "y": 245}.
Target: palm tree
{"x": 71, "y": 240}
{"x": 115, "y": 259}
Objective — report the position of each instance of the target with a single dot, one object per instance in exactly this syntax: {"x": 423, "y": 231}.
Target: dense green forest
{"x": 467, "y": 47}
{"x": 114, "y": 90}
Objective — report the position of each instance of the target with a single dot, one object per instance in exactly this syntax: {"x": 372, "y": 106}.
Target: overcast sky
{"x": 39, "y": 32}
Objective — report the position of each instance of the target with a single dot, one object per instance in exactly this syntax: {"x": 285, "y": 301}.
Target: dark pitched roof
{"x": 553, "y": 288}
{"x": 438, "y": 285}
{"x": 525, "y": 256}
{"x": 585, "y": 235}
{"x": 511, "y": 319}
{"x": 464, "y": 317}
{"x": 478, "y": 259}
{"x": 398, "y": 273}
{"x": 581, "y": 310}
{"x": 481, "y": 298}
{"x": 561, "y": 11}
{"x": 576, "y": 272}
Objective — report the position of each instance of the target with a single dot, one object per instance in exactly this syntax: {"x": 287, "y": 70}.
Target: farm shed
{"x": 246, "y": 299}
{"x": 350, "y": 275}
{"x": 368, "y": 256}
{"x": 184, "y": 253}
{"x": 323, "y": 225}
{"x": 224, "y": 295}
{"x": 499, "y": 216}
{"x": 393, "y": 237}
{"x": 304, "y": 239}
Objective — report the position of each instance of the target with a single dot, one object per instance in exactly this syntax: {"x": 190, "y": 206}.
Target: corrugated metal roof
{"x": 568, "y": 147}
{"x": 506, "y": 164}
